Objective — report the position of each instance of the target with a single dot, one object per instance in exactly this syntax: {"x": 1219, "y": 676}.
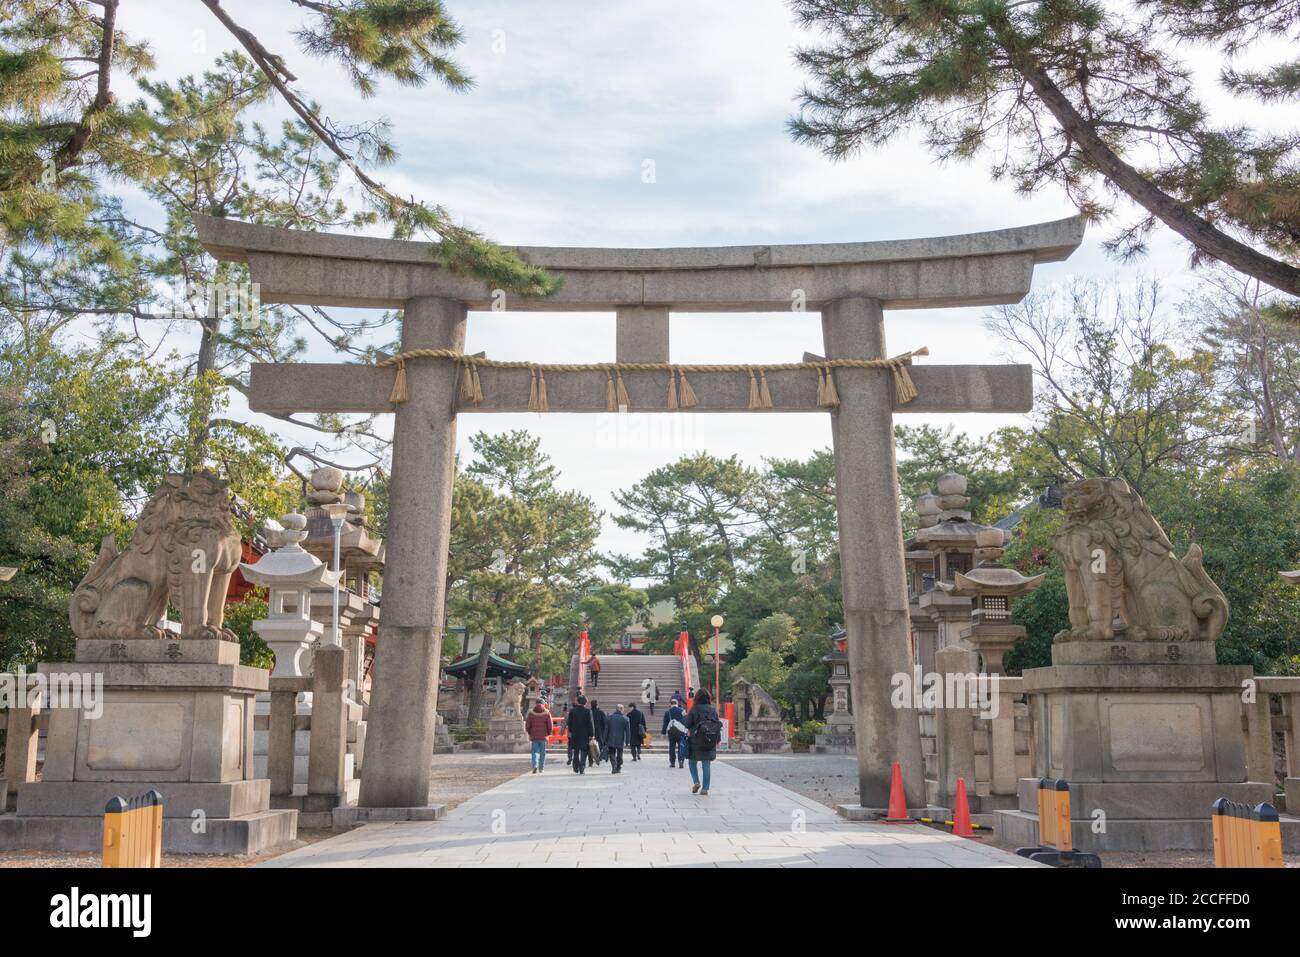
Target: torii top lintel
{"x": 333, "y": 269}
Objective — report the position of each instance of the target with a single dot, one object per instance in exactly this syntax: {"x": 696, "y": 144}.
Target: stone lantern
{"x": 991, "y": 586}
{"x": 838, "y": 738}
{"x": 290, "y": 573}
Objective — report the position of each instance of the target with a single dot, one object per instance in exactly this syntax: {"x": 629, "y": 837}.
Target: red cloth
{"x": 539, "y": 724}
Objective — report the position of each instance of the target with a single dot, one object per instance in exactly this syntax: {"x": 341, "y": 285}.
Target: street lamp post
{"x": 337, "y": 511}
{"x": 716, "y": 622}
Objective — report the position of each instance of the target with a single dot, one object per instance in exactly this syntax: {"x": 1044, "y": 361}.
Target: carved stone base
{"x": 764, "y": 736}
{"x": 507, "y": 736}
{"x": 173, "y": 716}
{"x": 1149, "y": 746}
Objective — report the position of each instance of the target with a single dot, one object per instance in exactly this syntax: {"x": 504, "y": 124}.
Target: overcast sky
{"x": 571, "y": 100}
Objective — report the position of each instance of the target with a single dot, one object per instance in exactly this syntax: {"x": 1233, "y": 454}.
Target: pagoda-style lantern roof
{"x": 289, "y": 565}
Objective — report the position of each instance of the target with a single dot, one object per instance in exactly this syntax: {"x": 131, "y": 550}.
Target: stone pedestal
{"x": 174, "y": 716}
{"x": 507, "y": 736}
{"x": 1147, "y": 743}
{"x": 764, "y": 736}
{"x": 442, "y": 742}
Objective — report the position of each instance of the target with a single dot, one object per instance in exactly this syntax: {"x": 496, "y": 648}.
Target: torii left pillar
{"x": 409, "y": 646}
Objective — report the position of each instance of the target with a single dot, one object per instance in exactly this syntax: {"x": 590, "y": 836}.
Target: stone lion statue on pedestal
{"x": 761, "y": 704}
{"x": 510, "y": 705}
{"x": 185, "y": 548}
{"x": 1121, "y": 574}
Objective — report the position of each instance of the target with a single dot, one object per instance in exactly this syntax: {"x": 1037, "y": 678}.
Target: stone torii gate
{"x": 850, "y": 284}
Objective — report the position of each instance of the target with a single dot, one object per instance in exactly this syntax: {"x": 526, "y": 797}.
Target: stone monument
{"x": 505, "y": 732}
{"x": 837, "y": 738}
{"x": 1134, "y": 712}
{"x": 176, "y": 715}
{"x": 763, "y": 727}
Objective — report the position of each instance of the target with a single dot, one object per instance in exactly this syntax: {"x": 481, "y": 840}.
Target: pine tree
{"x": 1063, "y": 91}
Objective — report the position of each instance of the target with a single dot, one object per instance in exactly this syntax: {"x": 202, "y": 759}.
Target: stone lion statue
{"x": 510, "y": 705}
{"x": 1121, "y": 574}
{"x": 761, "y": 704}
{"x": 185, "y": 548}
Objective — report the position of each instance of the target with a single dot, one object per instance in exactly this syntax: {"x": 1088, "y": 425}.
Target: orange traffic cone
{"x": 961, "y": 813}
{"x": 897, "y": 802}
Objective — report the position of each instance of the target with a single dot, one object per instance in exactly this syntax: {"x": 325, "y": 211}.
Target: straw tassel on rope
{"x": 672, "y": 389}
{"x": 623, "y": 401}
{"x": 611, "y": 397}
{"x": 471, "y": 390}
{"x": 687, "y": 394}
{"x": 827, "y": 395}
{"x": 764, "y": 395}
{"x": 399, "y": 393}
{"x": 753, "y": 391}
{"x": 904, "y": 387}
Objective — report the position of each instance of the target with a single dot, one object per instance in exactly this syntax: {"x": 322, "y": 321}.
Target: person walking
{"x": 616, "y": 734}
{"x": 674, "y": 721}
{"x": 539, "y": 724}
{"x": 704, "y": 734}
{"x": 636, "y": 731}
{"x": 581, "y": 731}
{"x": 593, "y": 669}
{"x": 598, "y": 723}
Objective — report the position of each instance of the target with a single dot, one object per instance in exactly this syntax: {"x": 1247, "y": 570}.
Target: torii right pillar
{"x": 871, "y": 554}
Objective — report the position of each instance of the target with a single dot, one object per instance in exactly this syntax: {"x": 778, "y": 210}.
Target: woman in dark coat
{"x": 581, "y": 730}
{"x": 702, "y": 710}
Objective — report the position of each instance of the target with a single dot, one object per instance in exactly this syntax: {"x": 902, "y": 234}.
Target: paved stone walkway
{"x": 644, "y": 817}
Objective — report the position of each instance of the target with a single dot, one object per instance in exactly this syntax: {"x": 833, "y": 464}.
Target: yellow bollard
{"x": 114, "y": 820}
{"x": 1219, "y": 826}
{"x": 1064, "y": 830}
{"x": 1266, "y": 846}
{"x": 133, "y": 831}
{"x": 1046, "y": 814}
{"x": 156, "y": 829}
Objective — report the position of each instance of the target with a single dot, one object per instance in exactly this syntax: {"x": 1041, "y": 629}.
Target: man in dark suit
{"x": 581, "y": 730}
{"x": 636, "y": 729}
{"x": 598, "y": 724}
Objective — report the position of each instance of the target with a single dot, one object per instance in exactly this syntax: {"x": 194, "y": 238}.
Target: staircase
{"x": 621, "y": 677}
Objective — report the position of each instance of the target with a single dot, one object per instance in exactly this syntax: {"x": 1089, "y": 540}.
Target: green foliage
{"x": 1249, "y": 530}
{"x": 523, "y": 559}
{"x": 802, "y": 736}
{"x": 253, "y": 650}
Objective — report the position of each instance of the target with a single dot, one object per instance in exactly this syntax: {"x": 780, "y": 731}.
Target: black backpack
{"x": 706, "y": 733}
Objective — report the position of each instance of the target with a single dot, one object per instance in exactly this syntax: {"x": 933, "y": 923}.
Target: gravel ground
{"x": 454, "y": 778}
{"x": 828, "y": 779}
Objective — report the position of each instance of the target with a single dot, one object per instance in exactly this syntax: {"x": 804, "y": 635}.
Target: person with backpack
{"x": 616, "y": 731}
{"x": 674, "y": 721}
{"x": 539, "y": 724}
{"x": 704, "y": 729}
{"x": 581, "y": 730}
{"x": 598, "y": 723}
{"x": 636, "y": 731}
{"x": 593, "y": 669}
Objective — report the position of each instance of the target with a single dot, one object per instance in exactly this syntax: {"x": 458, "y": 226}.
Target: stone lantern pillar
{"x": 289, "y": 573}
{"x": 838, "y": 738}
{"x": 991, "y": 587}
